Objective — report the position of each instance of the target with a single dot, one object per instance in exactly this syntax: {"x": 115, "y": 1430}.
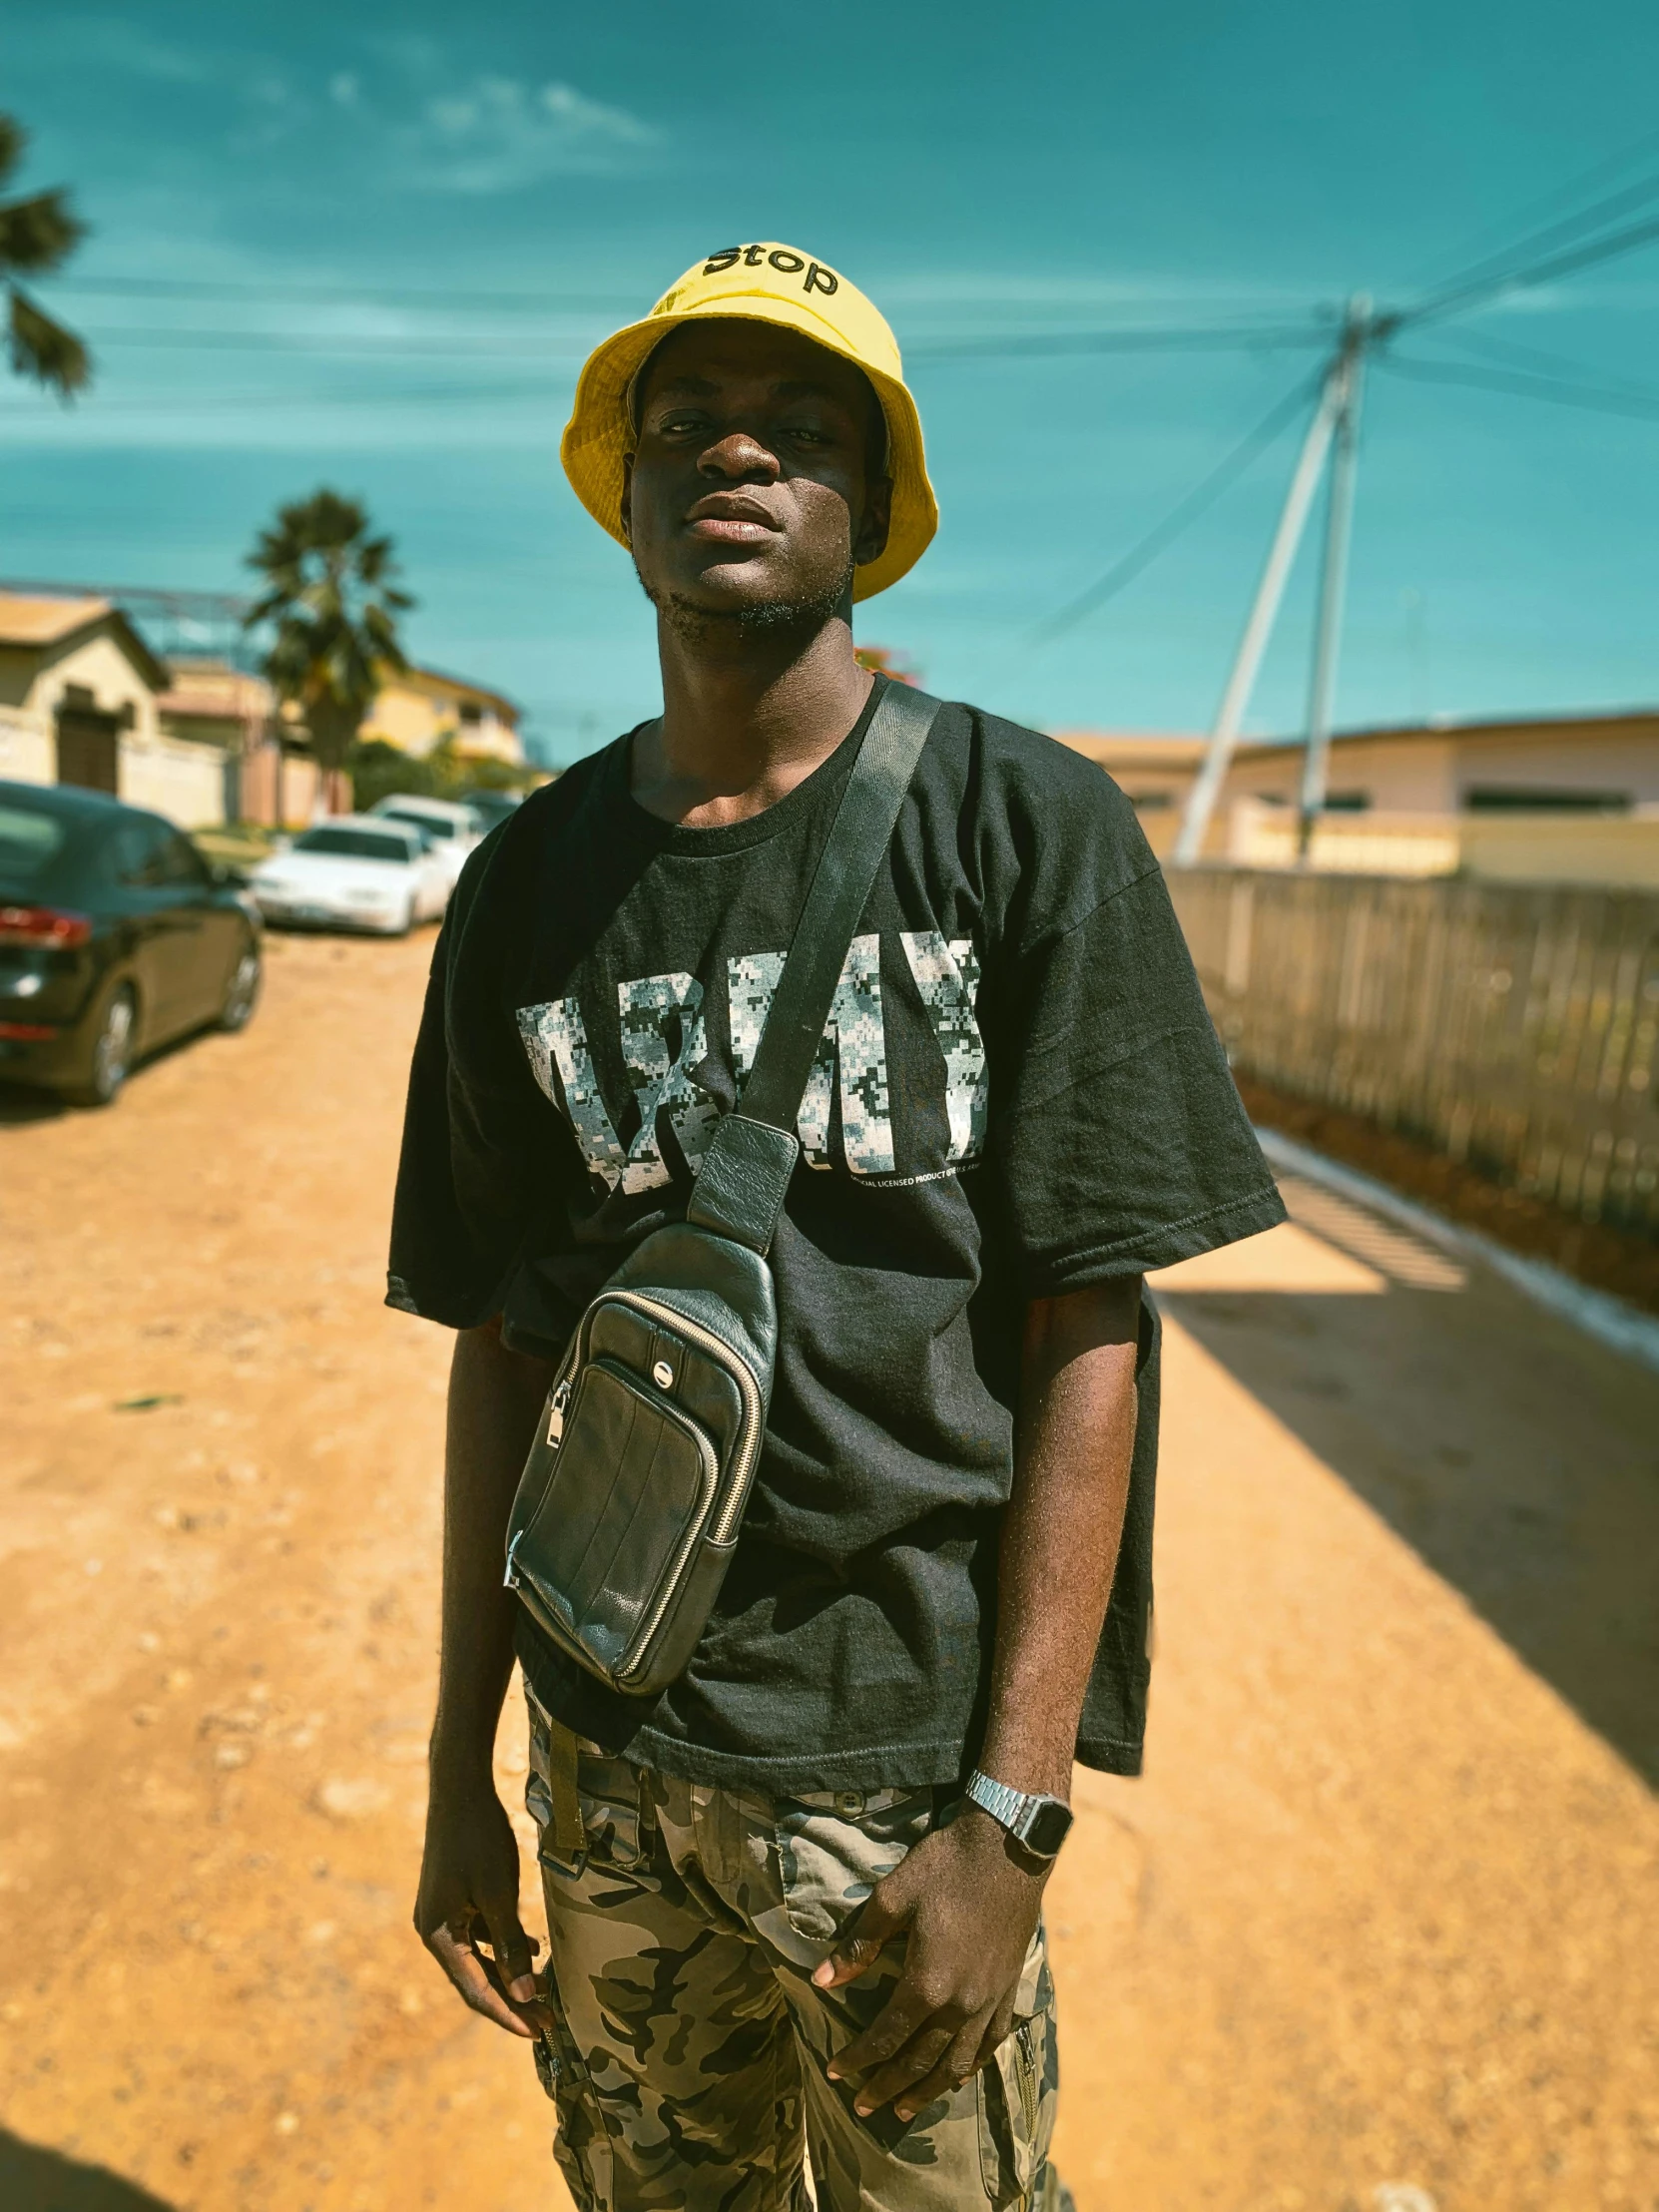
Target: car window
{"x": 432, "y": 825}
{"x": 29, "y": 844}
{"x": 353, "y": 845}
{"x": 139, "y": 851}
{"x": 180, "y": 865}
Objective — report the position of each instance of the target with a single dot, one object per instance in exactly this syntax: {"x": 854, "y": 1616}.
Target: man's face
{"x": 752, "y": 493}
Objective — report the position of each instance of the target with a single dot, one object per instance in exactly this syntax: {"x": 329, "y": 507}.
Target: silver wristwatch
{"x": 1038, "y": 1825}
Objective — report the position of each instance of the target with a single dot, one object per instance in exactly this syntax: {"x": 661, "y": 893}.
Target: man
{"x": 795, "y": 1902}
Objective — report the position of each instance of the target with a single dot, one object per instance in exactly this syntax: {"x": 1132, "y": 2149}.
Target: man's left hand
{"x": 968, "y": 1903}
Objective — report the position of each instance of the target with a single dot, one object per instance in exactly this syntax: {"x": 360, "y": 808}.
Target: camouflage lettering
{"x": 947, "y": 977}
{"x": 556, "y": 1041}
{"x": 664, "y": 1082}
{"x": 852, "y": 1056}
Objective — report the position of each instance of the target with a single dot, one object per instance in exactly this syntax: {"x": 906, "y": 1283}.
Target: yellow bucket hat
{"x": 764, "y": 283}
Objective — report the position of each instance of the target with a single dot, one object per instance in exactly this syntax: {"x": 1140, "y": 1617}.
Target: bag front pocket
{"x": 624, "y": 1506}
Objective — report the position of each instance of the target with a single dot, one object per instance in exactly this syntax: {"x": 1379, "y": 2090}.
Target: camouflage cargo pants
{"x": 688, "y": 2065}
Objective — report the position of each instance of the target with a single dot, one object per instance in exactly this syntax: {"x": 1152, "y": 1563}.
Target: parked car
{"x": 492, "y": 808}
{"x": 451, "y": 828}
{"x": 357, "y": 871}
{"x": 115, "y": 938}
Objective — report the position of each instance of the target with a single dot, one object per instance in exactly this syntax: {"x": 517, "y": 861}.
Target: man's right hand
{"x": 468, "y": 1897}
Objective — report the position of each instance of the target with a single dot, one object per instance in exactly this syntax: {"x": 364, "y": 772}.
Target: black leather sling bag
{"x": 628, "y": 1510}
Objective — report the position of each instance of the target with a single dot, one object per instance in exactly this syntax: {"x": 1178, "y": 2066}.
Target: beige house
{"x": 269, "y": 776}
{"x": 1546, "y": 799}
{"x": 80, "y": 695}
{"x": 421, "y": 707}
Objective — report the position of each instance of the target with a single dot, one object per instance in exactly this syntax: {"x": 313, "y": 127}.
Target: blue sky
{"x": 370, "y": 246}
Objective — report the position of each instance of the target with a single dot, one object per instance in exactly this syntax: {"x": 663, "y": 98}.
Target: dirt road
{"x": 1378, "y": 1931}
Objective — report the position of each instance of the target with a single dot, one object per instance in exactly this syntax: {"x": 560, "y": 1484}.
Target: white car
{"x": 358, "y": 871}
{"x": 451, "y": 829}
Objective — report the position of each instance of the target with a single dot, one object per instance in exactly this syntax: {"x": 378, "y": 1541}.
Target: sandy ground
{"x": 1378, "y": 1931}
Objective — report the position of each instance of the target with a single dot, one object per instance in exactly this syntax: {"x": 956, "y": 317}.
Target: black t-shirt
{"x": 1019, "y": 1093}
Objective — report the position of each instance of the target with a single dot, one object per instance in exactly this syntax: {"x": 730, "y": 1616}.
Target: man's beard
{"x": 688, "y": 618}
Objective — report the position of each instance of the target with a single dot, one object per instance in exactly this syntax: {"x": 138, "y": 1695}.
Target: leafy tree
{"x": 36, "y": 237}
{"x": 379, "y": 770}
{"x": 331, "y": 595}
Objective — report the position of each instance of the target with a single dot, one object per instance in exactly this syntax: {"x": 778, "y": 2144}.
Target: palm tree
{"x": 36, "y": 237}
{"x": 331, "y": 597}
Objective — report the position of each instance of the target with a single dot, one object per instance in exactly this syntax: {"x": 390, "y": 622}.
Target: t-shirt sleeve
{"x": 1118, "y": 1131}
{"x": 474, "y": 1175}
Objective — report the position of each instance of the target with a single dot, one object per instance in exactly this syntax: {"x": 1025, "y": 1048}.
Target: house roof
{"x": 452, "y": 687}
{"x": 36, "y": 623}
{"x": 215, "y": 690}
{"x": 1126, "y": 750}
{"x": 1473, "y": 725}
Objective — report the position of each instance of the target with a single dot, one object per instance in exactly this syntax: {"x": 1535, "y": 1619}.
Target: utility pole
{"x": 1337, "y": 396}
{"x": 1349, "y": 372}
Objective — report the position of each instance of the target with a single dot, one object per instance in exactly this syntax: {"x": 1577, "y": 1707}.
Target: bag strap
{"x": 746, "y": 1171}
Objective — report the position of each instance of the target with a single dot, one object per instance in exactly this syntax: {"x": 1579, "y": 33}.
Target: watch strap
{"x": 1014, "y": 1810}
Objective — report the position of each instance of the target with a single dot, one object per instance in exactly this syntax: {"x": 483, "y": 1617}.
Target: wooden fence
{"x": 1516, "y": 1028}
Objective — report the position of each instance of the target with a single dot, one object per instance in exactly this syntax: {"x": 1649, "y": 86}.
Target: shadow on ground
{"x": 34, "y": 2179}
{"x": 1517, "y": 1456}
{"x": 18, "y": 1103}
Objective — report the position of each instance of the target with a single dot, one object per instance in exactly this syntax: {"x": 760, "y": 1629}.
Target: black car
{"x": 115, "y": 938}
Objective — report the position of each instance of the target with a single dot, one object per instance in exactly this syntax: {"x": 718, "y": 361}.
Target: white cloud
{"x": 496, "y": 134}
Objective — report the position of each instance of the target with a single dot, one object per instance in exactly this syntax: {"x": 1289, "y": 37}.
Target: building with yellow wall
{"x": 1541, "y": 799}
{"x": 419, "y": 708}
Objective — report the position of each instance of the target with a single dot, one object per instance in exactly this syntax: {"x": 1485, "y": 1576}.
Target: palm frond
{"x": 329, "y": 596}
{"x": 36, "y": 234}
{"x": 13, "y": 139}
{"x": 44, "y": 351}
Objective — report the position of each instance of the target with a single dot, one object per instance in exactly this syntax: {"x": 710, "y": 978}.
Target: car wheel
{"x": 112, "y": 1052}
{"x": 242, "y": 991}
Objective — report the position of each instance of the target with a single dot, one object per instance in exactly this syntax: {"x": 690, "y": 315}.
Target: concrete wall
{"x": 28, "y": 750}
{"x": 279, "y": 791}
{"x": 1398, "y": 773}
{"x": 1614, "y": 851}
{"x": 1411, "y": 776}
{"x": 1586, "y": 758}
{"x": 182, "y": 781}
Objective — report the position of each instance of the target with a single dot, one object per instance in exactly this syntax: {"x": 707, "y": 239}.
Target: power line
{"x": 1180, "y": 517}
{"x": 1545, "y": 204}
{"x": 1468, "y": 293}
{"x": 169, "y": 288}
{"x": 1570, "y": 227}
{"x": 303, "y": 345}
{"x": 1148, "y": 339}
{"x": 1588, "y": 397}
{"x": 1509, "y": 353}
{"x": 369, "y": 345}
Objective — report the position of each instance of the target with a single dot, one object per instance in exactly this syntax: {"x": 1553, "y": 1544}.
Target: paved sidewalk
{"x": 1378, "y": 1930}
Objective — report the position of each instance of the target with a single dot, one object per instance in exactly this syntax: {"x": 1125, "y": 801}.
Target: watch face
{"x": 1048, "y": 1828}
